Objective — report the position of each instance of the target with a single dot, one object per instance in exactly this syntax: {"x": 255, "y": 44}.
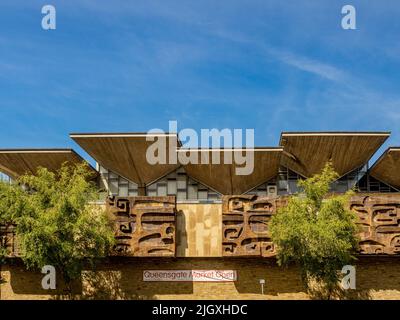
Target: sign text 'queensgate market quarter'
{"x": 190, "y": 275}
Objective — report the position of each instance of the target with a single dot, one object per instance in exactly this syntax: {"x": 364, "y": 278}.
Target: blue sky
{"x": 129, "y": 66}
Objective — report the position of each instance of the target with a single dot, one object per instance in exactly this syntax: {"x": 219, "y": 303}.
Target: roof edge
{"x": 39, "y": 150}
{"x": 256, "y": 149}
{"x": 333, "y": 133}
{"x": 120, "y": 134}
{"x": 388, "y": 150}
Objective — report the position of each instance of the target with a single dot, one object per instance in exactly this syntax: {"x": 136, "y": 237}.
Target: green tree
{"x": 57, "y": 222}
{"x": 317, "y": 232}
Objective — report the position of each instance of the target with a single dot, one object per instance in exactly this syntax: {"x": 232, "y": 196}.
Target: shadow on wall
{"x": 107, "y": 285}
{"x": 181, "y": 240}
{"x": 339, "y": 294}
{"x": 286, "y": 280}
{"x": 26, "y": 282}
{"x": 116, "y": 278}
{"x": 122, "y": 278}
{"x": 376, "y": 277}
{"x": 277, "y": 280}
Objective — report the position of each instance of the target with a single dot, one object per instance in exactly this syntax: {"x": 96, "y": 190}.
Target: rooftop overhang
{"x": 17, "y": 162}
{"x": 224, "y": 177}
{"x": 387, "y": 167}
{"x": 131, "y": 155}
{"x": 307, "y": 152}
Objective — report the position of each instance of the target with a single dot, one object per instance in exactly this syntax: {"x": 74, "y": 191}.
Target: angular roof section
{"x": 307, "y": 152}
{"x": 125, "y": 153}
{"x": 17, "y": 162}
{"x": 223, "y": 177}
{"x": 387, "y": 167}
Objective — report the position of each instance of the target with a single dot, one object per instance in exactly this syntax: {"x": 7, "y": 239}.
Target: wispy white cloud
{"x": 313, "y": 66}
{"x": 224, "y": 63}
{"x": 303, "y": 63}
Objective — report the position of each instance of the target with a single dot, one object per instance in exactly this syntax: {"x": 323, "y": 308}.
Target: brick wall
{"x": 121, "y": 278}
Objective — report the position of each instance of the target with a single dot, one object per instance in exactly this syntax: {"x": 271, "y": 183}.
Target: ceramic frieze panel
{"x": 144, "y": 226}
{"x": 379, "y": 221}
{"x": 245, "y": 220}
{"x": 8, "y": 240}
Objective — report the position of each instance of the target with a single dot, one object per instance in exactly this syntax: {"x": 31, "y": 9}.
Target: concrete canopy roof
{"x": 125, "y": 153}
{"x": 17, "y": 162}
{"x": 307, "y": 152}
{"x": 387, "y": 167}
{"x": 223, "y": 177}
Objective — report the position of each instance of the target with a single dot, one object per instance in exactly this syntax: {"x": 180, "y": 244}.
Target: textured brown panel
{"x": 144, "y": 226}
{"x": 379, "y": 220}
{"x": 125, "y": 154}
{"x": 9, "y": 240}
{"x": 245, "y": 225}
{"x": 223, "y": 177}
{"x": 17, "y": 162}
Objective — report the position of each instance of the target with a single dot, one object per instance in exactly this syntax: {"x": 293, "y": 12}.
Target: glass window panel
{"x": 122, "y": 181}
{"x": 151, "y": 193}
{"x": 203, "y": 194}
{"x": 133, "y": 193}
{"x": 113, "y": 185}
{"x": 172, "y": 187}
{"x": 123, "y": 190}
{"x": 162, "y": 190}
{"x": 181, "y": 195}
{"x": 283, "y": 185}
{"x": 112, "y": 175}
{"x": 133, "y": 186}
{"x": 293, "y": 187}
{"x": 192, "y": 192}
{"x": 181, "y": 182}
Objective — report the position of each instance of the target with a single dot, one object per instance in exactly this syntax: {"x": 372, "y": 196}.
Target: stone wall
{"x": 121, "y": 278}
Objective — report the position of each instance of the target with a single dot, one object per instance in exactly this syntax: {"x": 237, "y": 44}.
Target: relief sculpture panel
{"x": 8, "y": 240}
{"x": 245, "y": 222}
{"x": 144, "y": 226}
{"x": 379, "y": 221}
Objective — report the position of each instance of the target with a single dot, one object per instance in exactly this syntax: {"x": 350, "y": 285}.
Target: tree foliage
{"x": 316, "y": 231}
{"x": 56, "y": 221}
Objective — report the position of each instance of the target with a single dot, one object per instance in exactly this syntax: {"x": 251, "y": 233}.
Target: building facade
{"x": 203, "y": 229}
